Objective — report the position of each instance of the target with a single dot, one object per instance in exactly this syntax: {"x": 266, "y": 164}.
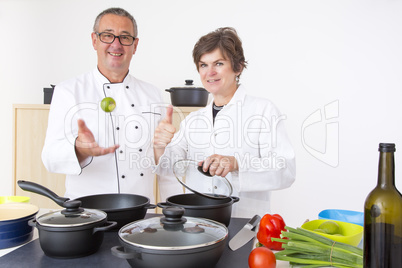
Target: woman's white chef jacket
{"x": 249, "y": 128}
{"x": 131, "y": 125}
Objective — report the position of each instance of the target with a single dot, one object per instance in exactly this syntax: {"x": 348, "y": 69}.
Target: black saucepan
{"x": 69, "y": 233}
{"x": 188, "y": 95}
{"x": 197, "y": 205}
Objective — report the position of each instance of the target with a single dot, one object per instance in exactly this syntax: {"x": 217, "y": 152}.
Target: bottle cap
{"x": 387, "y": 147}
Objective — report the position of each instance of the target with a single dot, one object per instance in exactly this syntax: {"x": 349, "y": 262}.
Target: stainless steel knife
{"x": 245, "y": 234}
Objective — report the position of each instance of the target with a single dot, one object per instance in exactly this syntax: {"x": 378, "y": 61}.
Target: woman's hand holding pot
{"x": 219, "y": 165}
{"x": 164, "y": 133}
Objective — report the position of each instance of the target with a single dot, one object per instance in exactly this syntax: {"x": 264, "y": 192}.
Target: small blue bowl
{"x": 342, "y": 215}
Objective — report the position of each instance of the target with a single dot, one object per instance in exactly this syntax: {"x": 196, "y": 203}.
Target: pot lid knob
{"x": 173, "y": 216}
{"x": 72, "y": 207}
{"x": 189, "y": 82}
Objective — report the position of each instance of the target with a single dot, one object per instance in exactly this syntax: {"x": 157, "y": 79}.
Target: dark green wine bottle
{"x": 382, "y": 244}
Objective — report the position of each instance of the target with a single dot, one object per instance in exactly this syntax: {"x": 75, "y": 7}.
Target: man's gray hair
{"x": 115, "y": 11}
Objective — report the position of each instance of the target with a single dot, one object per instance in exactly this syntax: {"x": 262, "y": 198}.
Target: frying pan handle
{"x": 108, "y": 225}
{"x": 119, "y": 252}
{"x": 39, "y": 189}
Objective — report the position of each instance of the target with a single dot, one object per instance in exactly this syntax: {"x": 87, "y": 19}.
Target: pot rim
{"x": 139, "y": 206}
{"x": 219, "y": 205}
{"x": 167, "y": 250}
{"x": 88, "y": 226}
{"x": 187, "y": 88}
{"x": 26, "y": 211}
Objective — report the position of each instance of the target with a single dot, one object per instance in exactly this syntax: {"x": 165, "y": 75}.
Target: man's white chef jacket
{"x": 131, "y": 124}
{"x": 249, "y": 128}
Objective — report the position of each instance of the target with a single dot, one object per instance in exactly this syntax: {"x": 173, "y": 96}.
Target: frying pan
{"x": 121, "y": 208}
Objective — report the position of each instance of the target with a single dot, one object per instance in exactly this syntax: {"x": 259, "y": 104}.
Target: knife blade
{"x": 245, "y": 234}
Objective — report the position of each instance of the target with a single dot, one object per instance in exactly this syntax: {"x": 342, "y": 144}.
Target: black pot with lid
{"x": 69, "y": 233}
{"x": 172, "y": 238}
{"x": 189, "y": 95}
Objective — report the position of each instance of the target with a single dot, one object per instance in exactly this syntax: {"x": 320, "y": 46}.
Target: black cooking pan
{"x": 121, "y": 208}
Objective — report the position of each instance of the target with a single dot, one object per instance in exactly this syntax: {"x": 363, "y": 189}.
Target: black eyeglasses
{"x": 108, "y": 38}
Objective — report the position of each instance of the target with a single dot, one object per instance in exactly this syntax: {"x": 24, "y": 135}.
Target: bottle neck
{"x": 386, "y": 170}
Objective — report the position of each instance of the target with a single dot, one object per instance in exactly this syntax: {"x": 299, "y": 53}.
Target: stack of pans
{"x": 14, "y": 228}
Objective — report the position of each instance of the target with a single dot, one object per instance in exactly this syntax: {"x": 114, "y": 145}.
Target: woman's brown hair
{"x": 228, "y": 42}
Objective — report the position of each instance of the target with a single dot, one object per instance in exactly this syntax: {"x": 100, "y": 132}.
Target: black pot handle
{"x": 150, "y": 206}
{"x": 119, "y": 252}
{"x": 169, "y": 90}
{"x": 163, "y": 205}
{"x": 108, "y": 225}
{"x": 235, "y": 199}
{"x": 32, "y": 222}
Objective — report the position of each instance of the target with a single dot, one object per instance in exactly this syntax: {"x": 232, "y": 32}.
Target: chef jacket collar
{"x": 103, "y": 80}
{"x": 239, "y": 96}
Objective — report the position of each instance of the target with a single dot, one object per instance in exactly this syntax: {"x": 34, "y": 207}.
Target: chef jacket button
{"x": 140, "y": 150}
{"x": 132, "y": 105}
{"x": 142, "y": 174}
{"x": 108, "y": 87}
{"x": 122, "y": 176}
{"x": 127, "y": 87}
{"x": 136, "y": 127}
{"x": 121, "y": 151}
{"x": 118, "y": 128}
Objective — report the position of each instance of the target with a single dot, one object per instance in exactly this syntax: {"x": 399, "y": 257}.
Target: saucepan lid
{"x": 193, "y": 178}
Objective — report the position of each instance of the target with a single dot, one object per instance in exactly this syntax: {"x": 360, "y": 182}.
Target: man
{"x": 102, "y": 151}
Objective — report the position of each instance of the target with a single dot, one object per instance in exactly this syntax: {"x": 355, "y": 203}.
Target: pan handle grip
{"x": 119, "y": 252}
{"x": 39, "y": 189}
{"x": 108, "y": 225}
{"x": 169, "y": 90}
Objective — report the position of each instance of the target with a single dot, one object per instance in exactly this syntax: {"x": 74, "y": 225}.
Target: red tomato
{"x": 262, "y": 257}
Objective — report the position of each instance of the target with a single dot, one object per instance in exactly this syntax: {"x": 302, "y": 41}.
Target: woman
{"x": 237, "y": 136}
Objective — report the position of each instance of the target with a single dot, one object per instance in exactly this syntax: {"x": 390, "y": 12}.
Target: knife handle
{"x": 254, "y": 220}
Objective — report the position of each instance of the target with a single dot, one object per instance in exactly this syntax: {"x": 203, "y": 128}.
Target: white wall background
{"x": 304, "y": 55}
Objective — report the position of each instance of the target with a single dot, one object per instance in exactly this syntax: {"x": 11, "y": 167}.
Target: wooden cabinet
{"x": 29, "y": 131}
